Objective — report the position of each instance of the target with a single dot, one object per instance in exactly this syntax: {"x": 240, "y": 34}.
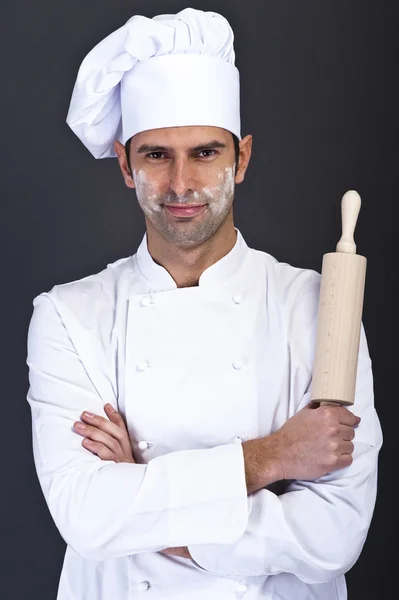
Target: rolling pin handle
{"x": 350, "y": 207}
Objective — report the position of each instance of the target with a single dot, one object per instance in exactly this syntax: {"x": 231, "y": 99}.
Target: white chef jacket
{"x": 194, "y": 371}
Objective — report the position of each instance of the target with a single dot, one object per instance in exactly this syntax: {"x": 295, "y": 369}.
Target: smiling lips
{"x": 185, "y": 211}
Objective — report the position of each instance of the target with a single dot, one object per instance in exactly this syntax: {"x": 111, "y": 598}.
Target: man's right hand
{"x": 312, "y": 443}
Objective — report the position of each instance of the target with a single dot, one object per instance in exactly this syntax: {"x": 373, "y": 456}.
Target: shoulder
{"x": 294, "y": 288}
{"x": 88, "y": 297}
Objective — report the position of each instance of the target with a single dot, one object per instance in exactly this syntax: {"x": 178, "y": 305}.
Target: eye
{"x": 155, "y": 155}
{"x": 208, "y": 153}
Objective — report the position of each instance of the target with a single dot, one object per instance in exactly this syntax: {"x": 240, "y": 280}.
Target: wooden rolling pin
{"x": 339, "y": 318}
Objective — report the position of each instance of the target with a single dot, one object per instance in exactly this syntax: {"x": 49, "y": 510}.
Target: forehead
{"x": 181, "y": 137}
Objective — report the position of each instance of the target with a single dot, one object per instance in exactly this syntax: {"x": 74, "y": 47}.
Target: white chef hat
{"x": 168, "y": 71}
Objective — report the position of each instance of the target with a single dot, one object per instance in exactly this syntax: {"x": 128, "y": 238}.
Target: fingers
{"x": 347, "y": 433}
{"x": 110, "y": 440}
{"x": 346, "y": 417}
{"x": 347, "y": 448}
{"x": 100, "y": 450}
{"x": 171, "y": 551}
{"x": 96, "y": 437}
{"x": 115, "y": 416}
{"x": 342, "y": 414}
{"x": 181, "y": 551}
{"x": 345, "y": 461}
{"x": 118, "y": 420}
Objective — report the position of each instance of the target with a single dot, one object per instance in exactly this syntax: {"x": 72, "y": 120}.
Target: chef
{"x": 203, "y": 472}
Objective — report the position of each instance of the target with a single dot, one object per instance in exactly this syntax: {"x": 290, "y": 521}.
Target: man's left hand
{"x": 110, "y": 440}
{"x": 181, "y": 551}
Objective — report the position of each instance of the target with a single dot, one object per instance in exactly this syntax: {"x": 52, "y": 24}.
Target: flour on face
{"x": 188, "y": 232}
{"x": 224, "y": 190}
{"x": 146, "y": 196}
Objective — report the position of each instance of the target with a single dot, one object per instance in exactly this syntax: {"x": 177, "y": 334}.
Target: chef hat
{"x": 168, "y": 71}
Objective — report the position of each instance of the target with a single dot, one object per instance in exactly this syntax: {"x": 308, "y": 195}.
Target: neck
{"x": 186, "y": 265}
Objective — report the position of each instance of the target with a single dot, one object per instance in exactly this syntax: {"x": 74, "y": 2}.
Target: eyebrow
{"x": 209, "y": 146}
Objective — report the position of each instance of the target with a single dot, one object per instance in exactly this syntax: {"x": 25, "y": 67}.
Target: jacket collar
{"x": 216, "y": 274}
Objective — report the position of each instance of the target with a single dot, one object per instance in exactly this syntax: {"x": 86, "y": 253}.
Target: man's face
{"x": 184, "y": 180}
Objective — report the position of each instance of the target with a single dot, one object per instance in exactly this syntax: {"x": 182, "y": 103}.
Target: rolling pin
{"x": 339, "y": 317}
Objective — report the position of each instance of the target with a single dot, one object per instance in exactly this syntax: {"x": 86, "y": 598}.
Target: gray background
{"x": 319, "y": 95}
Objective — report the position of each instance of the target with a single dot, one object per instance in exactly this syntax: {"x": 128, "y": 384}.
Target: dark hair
{"x": 236, "y": 150}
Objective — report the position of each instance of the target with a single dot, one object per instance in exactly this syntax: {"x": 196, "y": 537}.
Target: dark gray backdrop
{"x": 319, "y": 95}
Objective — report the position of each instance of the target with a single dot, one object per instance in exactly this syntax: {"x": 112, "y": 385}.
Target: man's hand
{"x": 110, "y": 440}
{"x": 314, "y": 442}
{"x": 182, "y": 551}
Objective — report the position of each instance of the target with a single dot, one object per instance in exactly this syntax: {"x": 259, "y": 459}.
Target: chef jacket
{"x": 194, "y": 371}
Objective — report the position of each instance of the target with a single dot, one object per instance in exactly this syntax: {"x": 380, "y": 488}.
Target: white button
{"x": 143, "y": 365}
{"x": 242, "y": 587}
{"x": 143, "y": 586}
{"x": 238, "y": 364}
{"x": 146, "y": 301}
{"x": 143, "y": 445}
{"x": 237, "y": 299}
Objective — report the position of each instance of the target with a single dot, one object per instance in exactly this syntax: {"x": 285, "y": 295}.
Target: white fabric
{"x": 192, "y": 370}
{"x": 168, "y": 71}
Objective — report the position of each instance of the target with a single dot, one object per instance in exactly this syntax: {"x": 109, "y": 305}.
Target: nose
{"x": 181, "y": 177}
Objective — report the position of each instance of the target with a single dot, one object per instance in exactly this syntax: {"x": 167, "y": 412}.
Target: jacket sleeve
{"x": 104, "y": 509}
{"x": 316, "y": 529}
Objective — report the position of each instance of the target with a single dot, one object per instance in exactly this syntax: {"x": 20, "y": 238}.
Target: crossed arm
{"x": 105, "y": 509}
{"x": 109, "y": 439}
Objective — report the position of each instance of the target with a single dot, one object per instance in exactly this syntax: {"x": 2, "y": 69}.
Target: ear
{"x": 245, "y": 155}
{"x": 122, "y": 159}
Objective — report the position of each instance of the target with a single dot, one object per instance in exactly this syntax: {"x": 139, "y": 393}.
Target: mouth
{"x": 191, "y": 210}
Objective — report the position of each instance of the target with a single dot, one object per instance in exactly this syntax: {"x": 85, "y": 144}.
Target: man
{"x": 203, "y": 471}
